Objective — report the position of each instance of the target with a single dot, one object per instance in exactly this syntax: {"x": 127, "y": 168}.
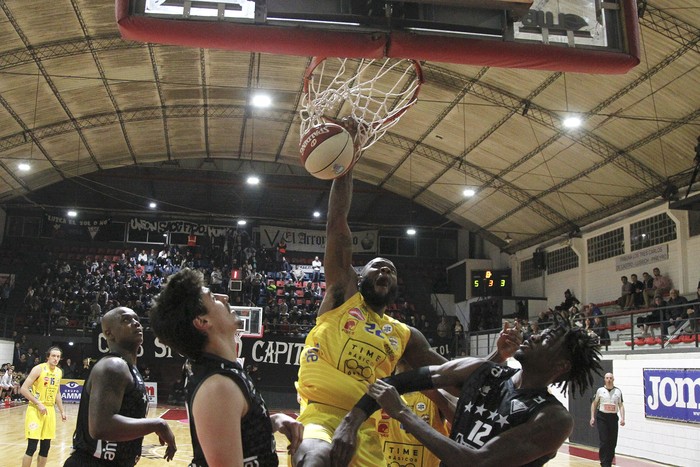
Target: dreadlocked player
{"x": 504, "y": 417}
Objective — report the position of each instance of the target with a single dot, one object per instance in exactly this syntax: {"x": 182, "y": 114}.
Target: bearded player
{"x": 352, "y": 345}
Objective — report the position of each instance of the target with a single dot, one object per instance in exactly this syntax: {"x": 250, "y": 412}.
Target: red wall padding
{"x": 310, "y": 42}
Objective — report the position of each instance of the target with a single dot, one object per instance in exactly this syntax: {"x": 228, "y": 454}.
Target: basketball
{"x": 327, "y": 151}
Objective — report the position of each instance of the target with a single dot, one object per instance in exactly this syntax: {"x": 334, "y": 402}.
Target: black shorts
{"x": 83, "y": 459}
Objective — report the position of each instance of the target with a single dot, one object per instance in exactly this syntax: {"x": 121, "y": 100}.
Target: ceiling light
{"x": 242, "y": 222}
{"x": 411, "y": 231}
{"x": 572, "y": 122}
{"x": 261, "y": 100}
{"x": 72, "y": 213}
{"x": 508, "y": 239}
{"x": 253, "y": 180}
{"x": 152, "y": 205}
{"x": 317, "y": 214}
{"x": 469, "y": 192}
{"x": 24, "y": 167}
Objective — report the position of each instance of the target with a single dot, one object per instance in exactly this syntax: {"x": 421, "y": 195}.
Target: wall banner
{"x": 179, "y": 226}
{"x": 314, "y": 241}
{"x": 651, "y": 255}
{"x": 672, "y": 394}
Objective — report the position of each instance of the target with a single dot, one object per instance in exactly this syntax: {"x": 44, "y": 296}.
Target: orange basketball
{"x": 326, "y": 151}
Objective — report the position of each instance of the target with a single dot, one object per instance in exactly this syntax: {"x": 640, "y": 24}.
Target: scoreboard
{"x": 491, "y": 283}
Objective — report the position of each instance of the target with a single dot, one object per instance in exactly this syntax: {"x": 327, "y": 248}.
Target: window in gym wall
{"x": 528, "y": 270}
{"x": 560, "y": 260}
{"x": 652, "y": 231}
{"x": 606, "y": 245}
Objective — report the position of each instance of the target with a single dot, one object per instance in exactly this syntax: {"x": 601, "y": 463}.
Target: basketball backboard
{"x": 251, "y": 321}
{"x": 588, "y": 36}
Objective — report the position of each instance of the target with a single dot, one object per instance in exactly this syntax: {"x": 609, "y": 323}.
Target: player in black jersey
{"x": 504, "y": 417}
{"x": 229, "y": 422}
{"x": 111, "y": 418}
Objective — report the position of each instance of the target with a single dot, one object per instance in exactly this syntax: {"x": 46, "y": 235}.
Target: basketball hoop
{"x": 373, "y": 94}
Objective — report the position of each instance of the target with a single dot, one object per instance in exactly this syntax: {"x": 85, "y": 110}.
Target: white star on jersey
{"x": 468, "y": 407}
{"x": 480, "y": 409}
{"x": 492, "y": 415}
{"x": 502, "y": 420}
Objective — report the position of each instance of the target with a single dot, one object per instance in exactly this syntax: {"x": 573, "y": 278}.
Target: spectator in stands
{"x": 627, "y": 294}
{"x": 569, "y": 301}
{"x": 601, "y": 330}
{"x": 677, "y": 314}
{"x": 693, "y": 312}
{"x": 653, "y": 318}
{"x": 544, "y": 319}
{"x": 662, "y": 284}
{"x": 637, "y": 291}
{"x": 648, "y": 289}
{"x": 215, "y": 280}
{"x": 298, "y": 273}
{"x": 8, "y": 385}
{"x": 443, "y": 328}
{"x": 68, "y": 368}
{"x": 6, "y": 291}
{"x": 285, "y": 269}
{"x": 281, "y": 253}
{"x": 316, "y": 268}
{"x": 17, "y": 353}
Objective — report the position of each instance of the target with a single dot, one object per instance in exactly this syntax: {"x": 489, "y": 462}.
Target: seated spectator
{"x": 676, "y": 316}
{"x": 637, "y": 291}
{"x": 8, "y": 384}
{"x": 662, "y": 284}
{"x": 655, "y": 317}
{"x": 544, "y": 319}
{"x": 601, "y": 330}
{"x": 627, "y": 294}
{"x": 298, "y": 273}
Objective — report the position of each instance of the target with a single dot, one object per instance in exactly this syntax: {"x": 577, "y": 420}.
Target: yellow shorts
{"x": 320, "y": 422}
{"x": 37, "y": 426}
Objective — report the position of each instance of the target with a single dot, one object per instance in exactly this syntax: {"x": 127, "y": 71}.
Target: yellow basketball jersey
{"x": 47, "y": 385}
{"x": 401, "y": 448}
{"x": 349, "y": 348}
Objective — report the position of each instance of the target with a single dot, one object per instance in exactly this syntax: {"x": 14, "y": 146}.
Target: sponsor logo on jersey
{"x": 383, "y": 428}
{"x": 517, "y": 406}
{"x": 357, "y": 313}
{"x": 421, "y": 406}
{"x": 350, "y": 326}
{"x": 394, "y": 342}
{"x": 387, "y": 328}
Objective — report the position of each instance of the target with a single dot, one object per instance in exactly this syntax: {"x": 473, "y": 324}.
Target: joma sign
{"x": 672, "y": 394}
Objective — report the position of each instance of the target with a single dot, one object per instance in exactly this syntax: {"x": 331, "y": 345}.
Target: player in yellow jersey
{"x": 400, "y": 447}
{"x": 42, "y": 390}
{"x": 352, "y": 345}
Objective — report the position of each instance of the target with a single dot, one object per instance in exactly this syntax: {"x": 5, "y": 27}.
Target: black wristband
{"x": 409, "y": 381}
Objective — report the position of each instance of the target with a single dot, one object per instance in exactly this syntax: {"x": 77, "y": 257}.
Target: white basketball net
{"x": 373, "y": 93}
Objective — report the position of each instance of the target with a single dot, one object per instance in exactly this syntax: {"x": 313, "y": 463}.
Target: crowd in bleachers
{"x": 71, "y": 294}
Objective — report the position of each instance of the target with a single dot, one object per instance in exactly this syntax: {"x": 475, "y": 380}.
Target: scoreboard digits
{"x": 491, "y": 282}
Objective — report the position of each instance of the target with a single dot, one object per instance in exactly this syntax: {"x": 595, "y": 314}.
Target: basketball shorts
{"x": 38, "y": 426}
{"x": 320, "y": 422}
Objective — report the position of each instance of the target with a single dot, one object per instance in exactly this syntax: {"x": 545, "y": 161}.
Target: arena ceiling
{"x": 78, "y": 102}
